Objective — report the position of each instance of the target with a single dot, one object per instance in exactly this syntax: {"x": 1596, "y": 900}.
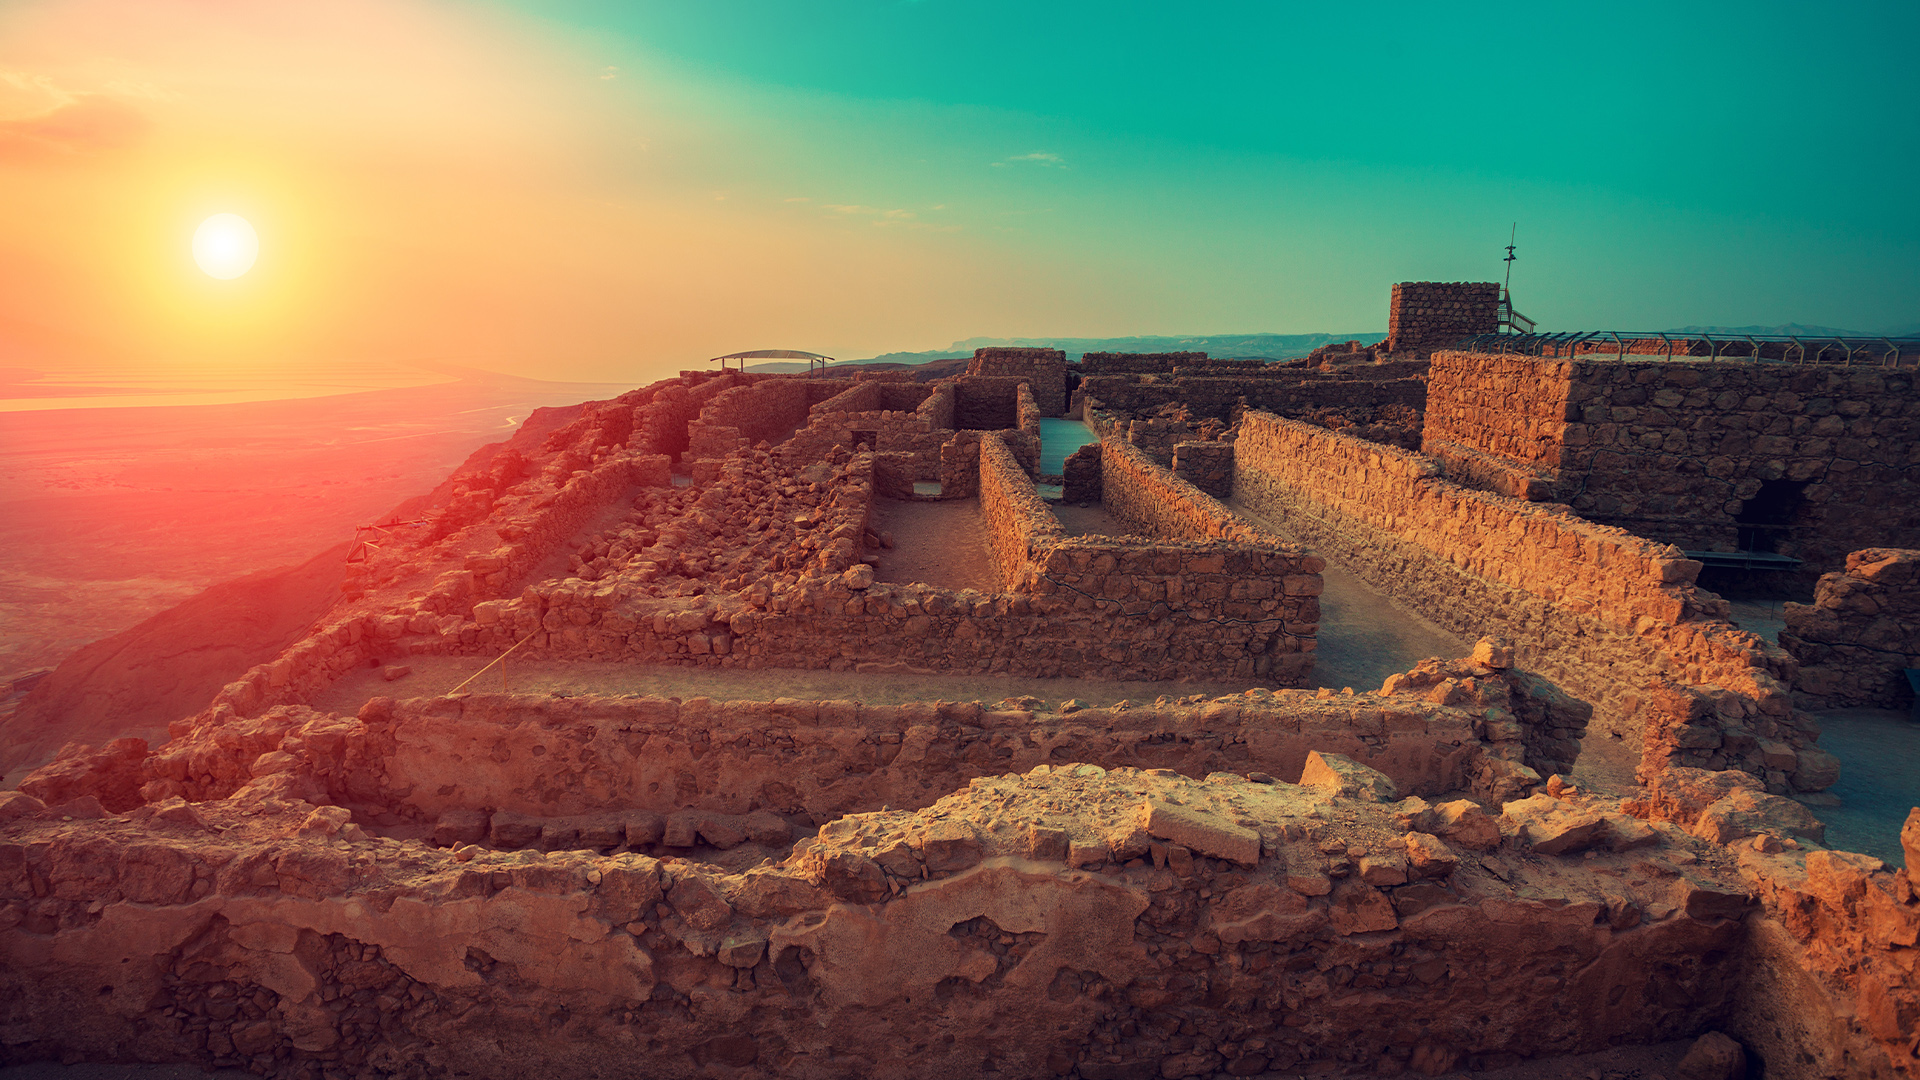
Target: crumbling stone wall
{"x": 1423, "y": 314}
{"x": 1596, "y": 608}
{"x": 585, "y": 761}
{"x": 1156, "y": 436}
{"x": 768, "y": 410}
{"x": 882, "y": 416}
{"x": 1674, "y": 450}
{"x": 1071, "y": 920}
{"x": 1044, "y": 369}
{"x": 1861, "y": 630}
{"x": 1830, "y": 989}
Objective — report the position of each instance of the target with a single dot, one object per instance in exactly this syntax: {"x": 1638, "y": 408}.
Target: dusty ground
{"x": 438, "y": 674}
{"x": 108, "y": 516}
{"x": 1878, "y": 783}
{"x": 1088, "y": 520}
{"x": 941, "y": 543}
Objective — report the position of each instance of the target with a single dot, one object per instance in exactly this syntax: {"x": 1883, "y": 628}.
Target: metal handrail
{"x": 1846, "y": 350}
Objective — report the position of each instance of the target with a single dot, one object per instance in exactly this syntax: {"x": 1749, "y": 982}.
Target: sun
{"x": 225, "y": 246}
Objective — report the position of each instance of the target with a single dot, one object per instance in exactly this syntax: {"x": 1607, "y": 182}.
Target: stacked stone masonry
{"x": 1425, "y": 314}
{"x": 1804, "y": 461}
{"x": 1860, "y": 635}
{"x": 1061, "y": 918}
{"x": 1046, "y": 370}
{"x": 1604, "y": 612}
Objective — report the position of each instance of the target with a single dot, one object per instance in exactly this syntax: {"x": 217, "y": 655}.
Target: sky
{"x": 579, "y": 189}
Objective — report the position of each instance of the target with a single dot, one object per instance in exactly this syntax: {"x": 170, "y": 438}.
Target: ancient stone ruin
{"x": 325, "y": 873}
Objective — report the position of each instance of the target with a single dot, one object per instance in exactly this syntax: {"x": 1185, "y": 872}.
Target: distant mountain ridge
{"x": 1218, "y": 346}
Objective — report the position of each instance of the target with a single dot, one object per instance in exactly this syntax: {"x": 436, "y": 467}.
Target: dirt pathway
{"x": 941, "y": 543}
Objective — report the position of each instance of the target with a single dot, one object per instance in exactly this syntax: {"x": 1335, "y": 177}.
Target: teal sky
{"x": 620, "y": 189}
{"x": 1277, "y": 166}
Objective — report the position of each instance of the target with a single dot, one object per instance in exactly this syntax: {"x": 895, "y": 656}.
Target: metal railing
{"x": 1845, "y": 351}
{"x": 1512, "y": 321}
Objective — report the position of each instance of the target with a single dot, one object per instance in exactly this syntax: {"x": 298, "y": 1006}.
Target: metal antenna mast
{"x": 1509, "y": 259}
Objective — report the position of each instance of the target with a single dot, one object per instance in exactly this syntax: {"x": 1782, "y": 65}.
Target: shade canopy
{"x": 772, "y": 354}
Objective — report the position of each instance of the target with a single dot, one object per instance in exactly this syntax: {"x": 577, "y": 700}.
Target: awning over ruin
{"x": 814, "y": 360}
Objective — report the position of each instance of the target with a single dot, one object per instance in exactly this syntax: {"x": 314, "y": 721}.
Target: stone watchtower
{"x": 1431, "y": 314}
{"x": 1044, "y": 369}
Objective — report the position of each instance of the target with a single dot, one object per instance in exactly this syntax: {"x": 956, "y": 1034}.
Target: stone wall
{"x": 1601, "y": 611}
{"x": 1065, "y": 920}
{"x": 1819, "y": 461}
{"x": 724, "y": 578}
{"x": 1862, "y": 629}
{"x": 1109, "y": 363}
{"x": 980, "y": 400}
{"x": 1044, "y": 369}
{"x": 986, "y": 403}
{"x": 1206, "y": 465}
{"x": 1017, "y": 519}
{"x": 1156, "y": 436}
{"x": 882, "y": 416}
{"x": 1283, "y": 391}
{"x": 1153, "y": 502}
{"x": 768, "y": 410}
{"x": 1423, "y": 314}
{"x": 1080, "y": 475}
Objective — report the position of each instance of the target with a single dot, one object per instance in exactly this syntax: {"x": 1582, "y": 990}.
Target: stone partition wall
{"x": 1206, "y": 465}
{"x": 1111, "y": 363}
{"x": 1498, "y": 423}
{"x": 1806, "y": 461}
{"x": 960, "y": 453}
{"x": 937, "y": 410}
{"x": 1596, "y": 608}
{"x": 1283, "y": 391}
{"x": 1017, "y": 520}
{"x": 1094, "y": 607}
{"x": 986, "y": 403}
{"x": 1045, "y": 370}
{"x": 1424, "y": 314}
{"x": 1860, "y": 632}
{"x": 590, "y": 757}
{"x": 1153, "y": 502}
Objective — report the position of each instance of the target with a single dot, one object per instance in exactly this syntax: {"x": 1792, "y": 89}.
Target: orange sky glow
{"x": 425, "y": 184}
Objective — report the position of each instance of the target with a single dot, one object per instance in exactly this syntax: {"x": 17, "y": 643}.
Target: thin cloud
{"x": 1043, "y": 160}
{"x": 883, "y": 217}
{"x": 609, "y": 72}
{"x": 89, "y": 124}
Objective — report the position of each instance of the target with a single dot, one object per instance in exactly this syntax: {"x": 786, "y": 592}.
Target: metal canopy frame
{"x": 815, "y": 361}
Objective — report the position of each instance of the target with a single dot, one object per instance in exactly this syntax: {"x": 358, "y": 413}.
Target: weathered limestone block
{"x": 1343, "y": 776}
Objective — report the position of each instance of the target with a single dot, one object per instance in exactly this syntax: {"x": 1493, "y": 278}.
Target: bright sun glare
{"x": 225, "y": 246}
